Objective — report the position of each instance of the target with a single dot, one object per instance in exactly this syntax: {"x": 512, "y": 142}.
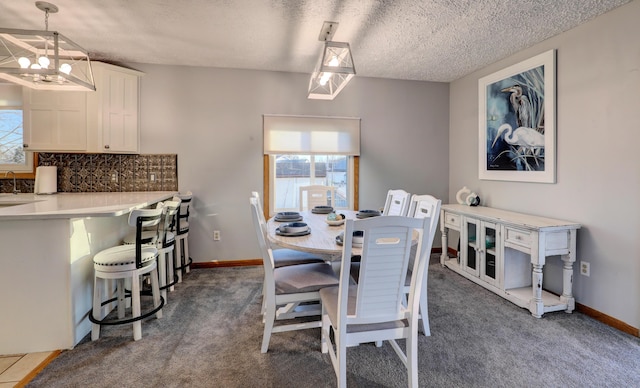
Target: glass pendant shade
{"x": 44, "y": 60}
{"x": 334, "y": 70}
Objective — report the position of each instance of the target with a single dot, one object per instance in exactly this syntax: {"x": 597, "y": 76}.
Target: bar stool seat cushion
{"x": 123, "y": 258}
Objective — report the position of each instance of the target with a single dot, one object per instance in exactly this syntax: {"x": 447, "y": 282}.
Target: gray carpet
{"x": 211, "y": 331}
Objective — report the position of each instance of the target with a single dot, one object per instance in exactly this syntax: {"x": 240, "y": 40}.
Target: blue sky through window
{"x": 11, "y": 137}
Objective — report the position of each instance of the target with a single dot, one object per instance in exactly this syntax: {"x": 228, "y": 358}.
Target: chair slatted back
{"x": 267, "y": 257}
{"x": 397, "y": 203}
{"x": 183, "y": 213}
{"x": 143, "y": 218}
{"x": 170, "y": 212}
{"x": 317, "y": 195}
{"x": 384, "y": 263}
{"x": 426, "y": 206}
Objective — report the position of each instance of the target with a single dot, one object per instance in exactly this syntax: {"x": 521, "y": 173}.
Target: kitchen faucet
{"x": 15, "y": 190}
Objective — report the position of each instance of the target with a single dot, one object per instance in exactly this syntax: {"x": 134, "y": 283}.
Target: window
{"x": 12, "y": 155}
{"x": 305, "y": 150}
{"x": 293, "y": 171}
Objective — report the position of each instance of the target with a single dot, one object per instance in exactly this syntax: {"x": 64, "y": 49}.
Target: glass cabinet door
{"x": 489, "y": 253}
{"x": 469, "y": 248}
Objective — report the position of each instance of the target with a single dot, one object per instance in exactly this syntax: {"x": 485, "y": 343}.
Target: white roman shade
{"x": 311, "y": 135}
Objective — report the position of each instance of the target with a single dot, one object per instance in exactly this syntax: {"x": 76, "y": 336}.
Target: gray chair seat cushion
{"x": 286, "y": 257}
{"x": 304, "y": 278}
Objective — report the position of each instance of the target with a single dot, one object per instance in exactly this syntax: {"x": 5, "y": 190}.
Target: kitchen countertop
{"x": 31, "y": 206}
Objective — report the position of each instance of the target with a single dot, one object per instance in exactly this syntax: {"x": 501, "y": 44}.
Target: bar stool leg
{"x": 155, "y": 289}
{"x": 97, "y": 309}
{"x": 162, "y": 274}
{"x": 178, "y": 259}
{"x": 186, "y": 254}
{"x": 122, "y": 298}
{"x": 171, "y": 264}
{"x": 135, "y": 306}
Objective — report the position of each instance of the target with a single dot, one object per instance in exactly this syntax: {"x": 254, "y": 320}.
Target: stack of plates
{"x": 356, "y": 240}
{"x": 322, "y": 210}
{"x": 288, "y": 217}
{"x": 293, "y": 229}
{"x": 367, "y": 213}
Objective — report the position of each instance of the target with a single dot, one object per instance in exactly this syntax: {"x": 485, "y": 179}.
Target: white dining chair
{"x": 283, "y": 257}
{"x": 397, "y": 203}
{"x": 316, "y": 195}
{"x": 424, "y": 206}
{"x": 375, "y": 309}
{"x": 285, "y": 288}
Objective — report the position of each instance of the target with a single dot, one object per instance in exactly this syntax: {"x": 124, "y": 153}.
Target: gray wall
{"x": 598, "y": 170}
{"x": 212, "y": 118}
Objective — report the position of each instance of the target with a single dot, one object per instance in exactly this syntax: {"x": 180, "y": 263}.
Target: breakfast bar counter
{"x": 47, "y": 244}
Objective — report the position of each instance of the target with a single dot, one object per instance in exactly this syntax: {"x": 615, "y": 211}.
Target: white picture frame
{"x": 517, "y": 122}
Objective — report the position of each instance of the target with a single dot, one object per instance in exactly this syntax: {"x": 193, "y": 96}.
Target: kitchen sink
{"x": 9, "y": 199}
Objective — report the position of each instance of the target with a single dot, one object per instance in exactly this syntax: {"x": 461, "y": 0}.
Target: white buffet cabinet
{"x": 505, "y": 252}
{"x": 48, "y": 243}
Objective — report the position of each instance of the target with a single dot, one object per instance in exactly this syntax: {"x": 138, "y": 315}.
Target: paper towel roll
{"x": 46, "y": 180}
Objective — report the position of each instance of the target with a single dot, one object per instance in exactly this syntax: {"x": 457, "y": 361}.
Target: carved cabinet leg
{"x": 537, "y": 305}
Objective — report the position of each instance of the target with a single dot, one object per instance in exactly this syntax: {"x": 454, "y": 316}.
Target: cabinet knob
{"x": 25, "y": 146}
{"x": 106, "y": 146}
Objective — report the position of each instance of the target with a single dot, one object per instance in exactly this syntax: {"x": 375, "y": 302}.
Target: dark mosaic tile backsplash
{"x": 105, "y": 172}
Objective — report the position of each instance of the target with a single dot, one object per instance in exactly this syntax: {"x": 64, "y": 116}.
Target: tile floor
{"x": 17, "y": 370}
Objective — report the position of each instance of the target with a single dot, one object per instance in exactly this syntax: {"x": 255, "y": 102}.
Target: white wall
{"x": 598, "y": 170}
{"x": 212, "y": 118}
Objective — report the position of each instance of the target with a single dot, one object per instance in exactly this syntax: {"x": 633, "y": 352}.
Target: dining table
{"x": 321, "y": 240}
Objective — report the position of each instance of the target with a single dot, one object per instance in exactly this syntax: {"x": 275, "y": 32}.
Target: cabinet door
{"x": 120, "y": 112}
{"x": 489, "y": 252}
{"x": 54, "y": 121}
{"x": 469, "y": 254}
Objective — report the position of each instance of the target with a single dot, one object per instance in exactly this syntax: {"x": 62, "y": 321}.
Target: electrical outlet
{"x": 152, "y": 177}
{"x": 585, "y": 268}
{"x": 114, "y": 177}
{"x": 216, "y": 235}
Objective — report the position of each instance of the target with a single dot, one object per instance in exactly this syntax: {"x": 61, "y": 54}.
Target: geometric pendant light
{"x": 335, "y": 67}
{"x": 44, "y": 60}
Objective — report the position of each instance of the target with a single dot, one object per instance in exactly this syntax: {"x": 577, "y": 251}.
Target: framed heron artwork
{"x": 518, "y": 122}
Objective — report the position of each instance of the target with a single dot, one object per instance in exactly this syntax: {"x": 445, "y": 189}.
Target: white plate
{"x": 335, "y": 223}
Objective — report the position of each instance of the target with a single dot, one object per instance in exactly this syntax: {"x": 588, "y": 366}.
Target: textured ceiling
{"x": 430, "y": 40}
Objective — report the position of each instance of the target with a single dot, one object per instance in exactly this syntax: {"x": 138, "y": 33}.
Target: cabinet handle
{"x": 25, "y": 146}
{"x": 106, "y": 146}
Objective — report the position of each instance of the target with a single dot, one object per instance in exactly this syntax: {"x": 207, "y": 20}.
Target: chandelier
{"x": 44, "y": 60}
{"x": 335, "y": 67}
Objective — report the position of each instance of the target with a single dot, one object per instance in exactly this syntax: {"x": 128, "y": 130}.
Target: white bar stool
{"x": 165, "y": 244}
{"x": 183, "y": 261}
{"x": 127, "y": 262}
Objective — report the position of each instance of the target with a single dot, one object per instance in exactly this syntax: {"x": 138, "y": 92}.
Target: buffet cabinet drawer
{"x": 518, "y": 237}
{"x": 452, "y": 220}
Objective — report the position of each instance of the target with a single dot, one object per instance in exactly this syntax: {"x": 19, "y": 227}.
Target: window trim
{"x": 23, "y": 174}
{"x": 266, "y": 189}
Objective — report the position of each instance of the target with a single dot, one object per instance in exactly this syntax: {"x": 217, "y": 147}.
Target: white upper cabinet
{"x": 113, "y": 114}
{"x": 54, "y": 121}
{"x": 106, "y": 120}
